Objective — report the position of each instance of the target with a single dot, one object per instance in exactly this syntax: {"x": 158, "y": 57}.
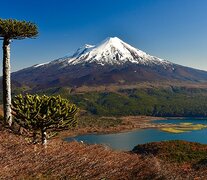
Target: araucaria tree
{"x": 40, "y": 114}
{"x": 12, "y": 29}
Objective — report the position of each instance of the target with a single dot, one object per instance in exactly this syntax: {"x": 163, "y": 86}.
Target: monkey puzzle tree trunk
{"x": 34, "y": 137}
{"x": 7, "y": 82}
{"x": 44, "y": 136}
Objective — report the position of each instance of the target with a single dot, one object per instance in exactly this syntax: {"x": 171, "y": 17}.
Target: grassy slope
{"x": 175, "y": 151}
{"x": 20, "y": 160}
{"x": 61, "y": 160}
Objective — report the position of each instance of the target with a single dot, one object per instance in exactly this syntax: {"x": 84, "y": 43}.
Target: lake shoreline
{"x": 129, "y": 123}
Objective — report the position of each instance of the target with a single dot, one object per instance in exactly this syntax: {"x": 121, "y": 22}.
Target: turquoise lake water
{"x": 127, "y": 140}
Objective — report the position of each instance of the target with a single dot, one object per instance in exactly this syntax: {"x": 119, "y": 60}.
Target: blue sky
{"x": 175, "y": 30}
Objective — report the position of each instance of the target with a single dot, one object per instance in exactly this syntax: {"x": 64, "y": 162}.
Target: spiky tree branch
{"x": 14, "y": 29}
{"x": 42, "y": 113}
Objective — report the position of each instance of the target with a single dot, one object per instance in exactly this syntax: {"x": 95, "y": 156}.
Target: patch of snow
{"x": 113, "y": 51}
{"x": 42, "y": 64}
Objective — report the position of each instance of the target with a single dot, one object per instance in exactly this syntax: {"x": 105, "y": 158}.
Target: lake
{"x": 127, "y": 140}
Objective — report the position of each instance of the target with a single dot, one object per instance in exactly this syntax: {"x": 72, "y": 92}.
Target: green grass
{"x": 184, "y": 127}
{"x": 173, "y": 130}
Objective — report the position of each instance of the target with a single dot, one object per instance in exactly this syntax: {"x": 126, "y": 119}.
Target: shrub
{"x": 41, "y": 113}
{"x": 175, "y": 151}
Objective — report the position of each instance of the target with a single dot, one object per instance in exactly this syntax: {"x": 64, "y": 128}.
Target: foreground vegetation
{"x": 40, "y": 114}
{"x": 62, "y": 160}
{"x": 175, "y": 151}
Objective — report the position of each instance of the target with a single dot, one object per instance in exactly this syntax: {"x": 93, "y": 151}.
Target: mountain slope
{"x": 111, "y": 61}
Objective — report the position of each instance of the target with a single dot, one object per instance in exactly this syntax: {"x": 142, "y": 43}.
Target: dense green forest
{"x": 172, "y": 101}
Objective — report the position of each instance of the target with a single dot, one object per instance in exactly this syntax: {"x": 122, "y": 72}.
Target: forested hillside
{"x": 170, "y": 101}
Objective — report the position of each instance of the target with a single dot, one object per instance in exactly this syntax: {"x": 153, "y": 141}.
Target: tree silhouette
{"x": 12, "y": 29}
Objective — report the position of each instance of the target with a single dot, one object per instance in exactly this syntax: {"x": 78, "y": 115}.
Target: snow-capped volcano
{"x": 110, "y": 62}
{"x": 111, "y": 51}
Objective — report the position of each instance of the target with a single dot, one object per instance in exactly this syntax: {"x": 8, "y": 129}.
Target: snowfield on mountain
{"x": 111, "y": 51}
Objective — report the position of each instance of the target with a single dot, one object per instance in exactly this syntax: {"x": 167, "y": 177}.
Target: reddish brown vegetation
{"x": 62, "y": 160}
{"x": 175, "y": 151}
